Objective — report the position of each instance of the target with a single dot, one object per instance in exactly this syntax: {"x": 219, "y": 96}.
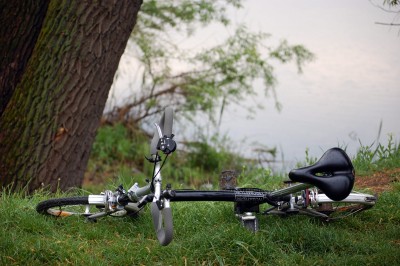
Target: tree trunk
{"x": 21, "y": 23}
{"x": 49, "y": 124}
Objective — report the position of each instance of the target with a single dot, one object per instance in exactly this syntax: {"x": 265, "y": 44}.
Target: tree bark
{"x": 21, "y": 23}
{"x": 49, "y": 124}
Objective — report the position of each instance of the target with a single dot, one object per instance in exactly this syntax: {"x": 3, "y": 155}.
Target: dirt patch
{"x": 379, "y": 181}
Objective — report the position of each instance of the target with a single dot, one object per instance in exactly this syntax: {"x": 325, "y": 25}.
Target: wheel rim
{"x": 79, "y": 210}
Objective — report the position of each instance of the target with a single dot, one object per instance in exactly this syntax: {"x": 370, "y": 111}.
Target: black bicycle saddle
{"x": 333, "y": 174}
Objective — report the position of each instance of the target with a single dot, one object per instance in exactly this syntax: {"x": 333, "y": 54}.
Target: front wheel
{"x": 81, "y": 206}
{"x": 64, "y": 207}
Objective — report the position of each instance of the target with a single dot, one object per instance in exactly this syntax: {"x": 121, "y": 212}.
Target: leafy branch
{"x": 214, "y": 77}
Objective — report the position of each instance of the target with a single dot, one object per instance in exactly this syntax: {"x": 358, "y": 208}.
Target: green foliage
{"x": 119, "y": 143}
{"x": 369, "y": 158}
{"x": 213, "y": 155}
{"x": 227, "y": 71}
{"x": 119, "y": 153}
{"x": 254, "y": 176}
{"x": 212, "y": 77}
{"x": 182, "y": 14}
{"x": 112, "y": 143}
{"x": 308, "y": 160}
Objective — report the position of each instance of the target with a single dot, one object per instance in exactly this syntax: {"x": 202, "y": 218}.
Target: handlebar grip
{"x": 165, "y": 124}
{"x": 162, "y": 221}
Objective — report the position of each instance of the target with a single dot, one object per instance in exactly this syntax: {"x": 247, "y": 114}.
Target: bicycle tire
{"x": 80, "y": 206}
{"x": 354, "y": 203}
{"x": 328, "y": 209}
{"x": 58, "y": 207}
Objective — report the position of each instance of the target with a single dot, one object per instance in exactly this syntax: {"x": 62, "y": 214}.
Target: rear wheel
{"x": 323, "y": 207}
{"x": 354, "y": 203}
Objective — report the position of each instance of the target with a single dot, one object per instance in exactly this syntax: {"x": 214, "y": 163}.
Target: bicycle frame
{"x": 246, "y": 201}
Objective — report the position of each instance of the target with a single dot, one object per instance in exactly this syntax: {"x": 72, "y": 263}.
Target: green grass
{"x": 369, "y": 158}
{"x": 205, "y": 234}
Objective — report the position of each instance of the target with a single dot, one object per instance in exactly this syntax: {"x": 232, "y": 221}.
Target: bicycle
{"x": 322, "y": 190}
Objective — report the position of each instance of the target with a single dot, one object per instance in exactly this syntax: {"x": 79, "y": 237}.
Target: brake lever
{"x": 145, "y": 200}
{"x": 165, "y": 144}
{"x": 160, "y": 135}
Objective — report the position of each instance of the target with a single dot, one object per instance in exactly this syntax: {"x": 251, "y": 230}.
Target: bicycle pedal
{"x": 249, "y": 221}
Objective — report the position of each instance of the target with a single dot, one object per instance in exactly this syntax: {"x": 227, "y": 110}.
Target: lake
{"x": 343, "y": 96}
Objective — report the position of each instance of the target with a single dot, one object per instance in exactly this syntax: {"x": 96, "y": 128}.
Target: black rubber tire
{"x": 44, "y": 206}
{"x": 70, "y": 206}
{"x": 345, "y": 210}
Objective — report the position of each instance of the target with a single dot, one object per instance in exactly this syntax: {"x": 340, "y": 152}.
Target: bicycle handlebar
{"x": 160, "y": 210}
{"x": 162, "y": 222}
